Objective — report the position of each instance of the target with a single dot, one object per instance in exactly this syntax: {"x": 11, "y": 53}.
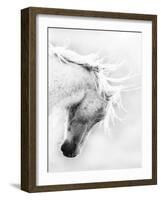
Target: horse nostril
{"x": 64, "y": 146}
{"x": 68, "y": 149}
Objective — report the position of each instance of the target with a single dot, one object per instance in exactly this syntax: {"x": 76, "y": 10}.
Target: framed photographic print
{"x": 89, "y": 99}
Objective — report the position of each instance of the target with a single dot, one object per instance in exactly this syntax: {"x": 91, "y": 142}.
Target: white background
{"x": 10, "y": 99}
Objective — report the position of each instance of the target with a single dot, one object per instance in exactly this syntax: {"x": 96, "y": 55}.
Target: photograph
{"x": 94, "y": 99}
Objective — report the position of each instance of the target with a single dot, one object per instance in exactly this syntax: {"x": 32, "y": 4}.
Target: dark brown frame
{"x": 28, "y": 98}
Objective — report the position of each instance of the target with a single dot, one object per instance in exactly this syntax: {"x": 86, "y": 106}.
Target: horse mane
{"x": 108, "y": 87}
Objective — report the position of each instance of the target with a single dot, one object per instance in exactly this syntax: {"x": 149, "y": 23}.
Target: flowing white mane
{"x": 108, "y": 87}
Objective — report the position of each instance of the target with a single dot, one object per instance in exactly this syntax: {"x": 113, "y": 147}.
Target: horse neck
{"x": 68, "y": 83}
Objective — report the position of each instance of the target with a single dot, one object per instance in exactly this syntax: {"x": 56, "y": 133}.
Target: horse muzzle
{"x": 69, "y": 149}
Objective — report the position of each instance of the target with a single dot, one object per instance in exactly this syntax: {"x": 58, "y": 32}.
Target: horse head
{"x": 81, "y": 118}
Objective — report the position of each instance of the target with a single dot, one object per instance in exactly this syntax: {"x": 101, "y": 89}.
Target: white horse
{"x": 83, "y": 86}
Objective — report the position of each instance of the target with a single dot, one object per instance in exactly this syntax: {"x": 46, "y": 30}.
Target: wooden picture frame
{"x": 28, "y": 98}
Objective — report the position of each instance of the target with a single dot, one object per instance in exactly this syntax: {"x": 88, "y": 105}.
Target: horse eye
{"x": 72, "y": 110}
